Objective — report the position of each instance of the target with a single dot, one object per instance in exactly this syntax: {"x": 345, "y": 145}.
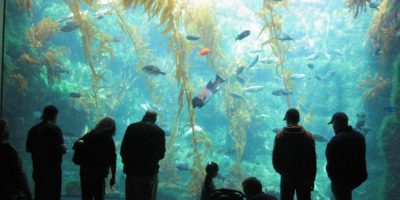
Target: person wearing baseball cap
{"x": 345, "y": 154}
{"x": 294, "y": 158}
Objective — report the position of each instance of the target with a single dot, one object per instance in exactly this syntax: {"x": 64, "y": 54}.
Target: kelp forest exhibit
{"x": 119, "y": 58}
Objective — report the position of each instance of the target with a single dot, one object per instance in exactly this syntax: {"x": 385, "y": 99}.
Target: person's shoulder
{"x": 308, "y": 135}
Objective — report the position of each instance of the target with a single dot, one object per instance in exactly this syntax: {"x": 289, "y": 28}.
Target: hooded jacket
{"x": 294, "y": 153}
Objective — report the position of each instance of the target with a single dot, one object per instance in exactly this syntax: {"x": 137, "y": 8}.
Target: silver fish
{"x": 255, "y": 88}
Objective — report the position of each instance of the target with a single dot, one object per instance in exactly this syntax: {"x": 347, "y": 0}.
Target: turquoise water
{"x": 90, "y": 65}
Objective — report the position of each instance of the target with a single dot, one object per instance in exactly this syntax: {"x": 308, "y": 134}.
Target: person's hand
{"x": 62, "y": 148}
{"x": 112, "y": 182}
{"x": 312, "y": 187}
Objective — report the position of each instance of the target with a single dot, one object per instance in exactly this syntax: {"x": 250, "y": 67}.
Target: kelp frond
{"x": 26, "y": 58}
{"x": 41, "y": 33}
{"x": 22, "y": 83}
{"x": 357, "y": 6}
{"x": 376, "y": 87}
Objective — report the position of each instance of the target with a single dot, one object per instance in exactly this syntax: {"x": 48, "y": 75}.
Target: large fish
{"x": 285, "y": 37}
{"x": 314, "y": 56}
{"x": 243, "y": 35}
{"x": 206, "y": 93}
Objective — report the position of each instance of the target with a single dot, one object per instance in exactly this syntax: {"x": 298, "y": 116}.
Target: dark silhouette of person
{"x": 208, "y": 185}
{"x": 13, "y": 183}
{"x": 294, "y": 158}
{"x": 345, "y": 154}
{"x": 252, "y": 189}
{"x": 98, "y": 156}
{"x": 143, "y": 146}
{"x": 45, "y": 142}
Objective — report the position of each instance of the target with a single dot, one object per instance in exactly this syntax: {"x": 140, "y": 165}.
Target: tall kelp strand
{"x": 272, "y": 20}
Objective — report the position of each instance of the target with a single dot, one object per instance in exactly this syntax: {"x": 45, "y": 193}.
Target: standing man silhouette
{"x": 345, "y": 155}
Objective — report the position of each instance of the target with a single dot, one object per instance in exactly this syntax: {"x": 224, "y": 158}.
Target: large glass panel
{"x": 118, "y": 58}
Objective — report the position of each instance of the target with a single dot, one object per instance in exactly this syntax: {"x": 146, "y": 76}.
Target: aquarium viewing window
{"x": 220, "y": 73}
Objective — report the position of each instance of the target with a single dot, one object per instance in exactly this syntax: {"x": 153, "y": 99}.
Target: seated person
{"x": 208, "y": 185}
{"x": 252, "y": 189}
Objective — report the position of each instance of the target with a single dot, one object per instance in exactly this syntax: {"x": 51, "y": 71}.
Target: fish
{"x": 268, "y": 61}
{"x": 285, "y": 37}
{"x": 153, "y": 70}
{"x": 70, "y": 26}
{"x": 243, "y": 35}
{"x": 374, "y": 5}
{"x": 281, "y": 92}
{"x": 318, "y": 77}
{"x": 240, "y": 80}
{"x": 192, "y": 37}
{"x": 235, "y": 96}
{"x": 254, "y": 62}
{"x": 190, "y": 131}
{"x": 182, "y": 166}
{"x": 99, "y": 14}
{"x": 239, "y": 70}
{"x": 276, "y": 130}
{"x": 390, "y": 109}
{"x": 314, "y": 56}
{"x": 329, "y": 74}
{"x": 75, "y": 95}
{"x": 203, "y": 51}
{"x": 255, "y": 88}
{"x": 310, "y": 66}
{"x": 117, "y": 39}
{"x": 297, "y": 76}
{"x": 222, "y": 176}
{"x": 319, "y": 138}
{"x": 207, "y": 92}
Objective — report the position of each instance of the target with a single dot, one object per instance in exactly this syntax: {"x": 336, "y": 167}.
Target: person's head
{"x": 4, "y": 130}
{"x": 251, "y": 187}
{"x": 292, "y": 116}
{"x": 212, "y": 169}
{"x": 150, "y": 116}
{"x": 107, "y": 125}
{"x": 339, "y": 121}
{"x": 50, "y": 113}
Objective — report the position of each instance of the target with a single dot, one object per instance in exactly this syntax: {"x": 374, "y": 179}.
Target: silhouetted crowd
{"x": 143, "y": 146}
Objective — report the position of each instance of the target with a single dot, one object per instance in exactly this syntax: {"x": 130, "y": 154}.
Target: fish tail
{"x": 219, "y": 79}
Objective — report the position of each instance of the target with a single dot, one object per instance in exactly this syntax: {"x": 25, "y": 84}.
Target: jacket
{"x": 294, "y": 153}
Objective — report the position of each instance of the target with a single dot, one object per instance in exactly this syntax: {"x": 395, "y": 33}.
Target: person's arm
{"x": 20, "y": 182}
{"x": 313, "y": 164}
{"x": 62, "y": 148}
{"x": 124, "y": 146}
{"x": 330, "y": 158}
{"x": 364, "y": 173}
{"x": 28, "y": 144}
{"x": 276, "y": 155}
{"x": 113, "y": 163}
{"x": 162, "y": 145}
